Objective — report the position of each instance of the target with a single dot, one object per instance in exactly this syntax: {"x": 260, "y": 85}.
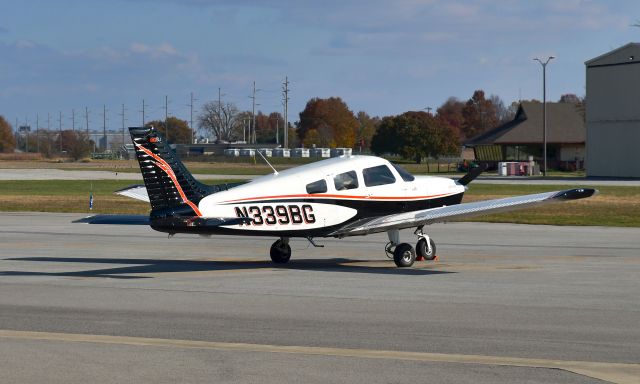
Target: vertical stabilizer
{"x": 172, "y": 190}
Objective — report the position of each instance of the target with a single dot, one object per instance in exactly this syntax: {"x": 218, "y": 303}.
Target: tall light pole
{"x": 544, "y": 63}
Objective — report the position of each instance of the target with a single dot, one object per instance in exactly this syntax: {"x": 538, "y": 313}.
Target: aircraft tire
{"x": 423, "y": 251}
{"x": 404, "y": 255}
{"x": 280, "y": 252}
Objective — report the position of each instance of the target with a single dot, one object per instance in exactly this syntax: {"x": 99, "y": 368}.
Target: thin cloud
{"x": 163, "y": 49}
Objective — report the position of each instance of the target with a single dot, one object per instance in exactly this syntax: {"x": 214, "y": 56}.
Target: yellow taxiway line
{"x": 611, "y": 372}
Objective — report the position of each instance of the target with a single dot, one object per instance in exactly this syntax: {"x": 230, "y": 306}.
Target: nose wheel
{"x": 426, "y": 249}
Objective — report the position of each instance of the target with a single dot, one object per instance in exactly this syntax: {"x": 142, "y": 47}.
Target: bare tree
{"x": 503, "y": 114}
{"x": 220, "y": 119}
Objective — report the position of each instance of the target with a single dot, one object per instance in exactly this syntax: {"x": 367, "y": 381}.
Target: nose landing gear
{"x": 426, "y": 247}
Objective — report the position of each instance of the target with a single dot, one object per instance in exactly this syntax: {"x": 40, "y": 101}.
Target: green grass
{"x": 70, "y": 196}
{"x": 614, "y": 206}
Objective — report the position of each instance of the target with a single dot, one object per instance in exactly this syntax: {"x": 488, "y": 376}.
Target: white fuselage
{"x": 316, "y": 195}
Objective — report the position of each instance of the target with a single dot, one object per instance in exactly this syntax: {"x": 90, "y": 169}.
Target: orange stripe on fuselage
{"x": 350, "y": 197}
{"x": 167, "y": 169}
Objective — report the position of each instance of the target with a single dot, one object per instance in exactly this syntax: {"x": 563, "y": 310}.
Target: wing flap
{"x": 448, "y": 213}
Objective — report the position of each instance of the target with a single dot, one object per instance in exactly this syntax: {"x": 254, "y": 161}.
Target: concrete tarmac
{"x": 505, "y": 303}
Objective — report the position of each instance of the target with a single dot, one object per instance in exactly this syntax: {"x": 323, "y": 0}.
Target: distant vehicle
{"x": 337, "y": 197}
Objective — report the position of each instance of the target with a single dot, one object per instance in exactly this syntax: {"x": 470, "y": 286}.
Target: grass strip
{"x": 614, "y": 206}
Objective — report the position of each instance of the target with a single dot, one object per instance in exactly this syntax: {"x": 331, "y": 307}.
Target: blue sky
{"x": 383, "y": 57}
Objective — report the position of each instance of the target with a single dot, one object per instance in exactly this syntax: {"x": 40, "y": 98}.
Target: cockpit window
{"x": 406, "y": 176}
{"x": 347, "y": 180}
{"x": 380, "y": 175}
{"x": 319, "y": 186}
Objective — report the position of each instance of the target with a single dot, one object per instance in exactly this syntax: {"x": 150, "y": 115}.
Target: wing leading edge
{"x": 447, "y": 213}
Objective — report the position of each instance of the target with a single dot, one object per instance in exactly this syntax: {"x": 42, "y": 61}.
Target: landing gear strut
{"x": 403, "y": 254}
{"x": 280, "y": 251}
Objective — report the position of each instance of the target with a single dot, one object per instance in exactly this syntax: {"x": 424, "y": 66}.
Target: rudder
{"x": 172, "y": 189}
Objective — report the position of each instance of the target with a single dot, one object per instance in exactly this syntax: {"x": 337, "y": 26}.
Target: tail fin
{"x": 172, "y": 190}
{"x": 472, "y": 174}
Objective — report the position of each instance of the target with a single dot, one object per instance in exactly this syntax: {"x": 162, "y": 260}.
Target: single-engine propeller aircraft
{"x": 338, "y": 197}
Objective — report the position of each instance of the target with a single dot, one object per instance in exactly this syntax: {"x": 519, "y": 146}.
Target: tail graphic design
{"x": 167, "y": 169}
{"x": 172, "y": 190}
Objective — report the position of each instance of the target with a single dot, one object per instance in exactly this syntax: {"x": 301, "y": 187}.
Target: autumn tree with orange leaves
{"x": 328, "y": 123}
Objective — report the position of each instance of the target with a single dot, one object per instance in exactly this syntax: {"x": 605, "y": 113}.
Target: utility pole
{"x": 122, "y": 114}
{"x": 220, "y": 112}
{"x": 191, "y": 119}
{"x": 37, "y": 133}
{"x": 143, "y": 114}
{"x": 166, "y": 116}
{"x": 60, "y": 130}
{"x": 253, "y": 115}
{"x": 544, "y": 110}
{"x": 86, "y": 119}
{"x": 104, "y": 126}
{"x": 285, "y": 95}
{"x": 73, "y": 119}
{"x": 26, "y": 142}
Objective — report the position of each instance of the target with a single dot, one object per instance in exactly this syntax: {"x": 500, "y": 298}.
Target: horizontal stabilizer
{"x": 116, "y": 219}
{"x": 165, "y": 222}
{"x": 138, "y": 192}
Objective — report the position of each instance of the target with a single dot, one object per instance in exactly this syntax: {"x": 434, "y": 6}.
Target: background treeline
{"x": 323, "y": 123}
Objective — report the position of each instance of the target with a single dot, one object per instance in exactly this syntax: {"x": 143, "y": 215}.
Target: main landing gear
{"x": 281, "y": 251}
{"x": 403, "y": 254}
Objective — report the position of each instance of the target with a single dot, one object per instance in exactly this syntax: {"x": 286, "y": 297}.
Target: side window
{"x": 319, "y": 186}
{"x": 380, "y": 175}
{"x": 347, "y": 180}
{"x": 406, "y": 176}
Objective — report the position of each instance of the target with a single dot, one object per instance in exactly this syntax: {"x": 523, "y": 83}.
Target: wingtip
{"x": 575, "y": 194}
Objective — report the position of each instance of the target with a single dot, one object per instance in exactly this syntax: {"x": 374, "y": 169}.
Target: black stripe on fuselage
{"x": 365, "y": 209}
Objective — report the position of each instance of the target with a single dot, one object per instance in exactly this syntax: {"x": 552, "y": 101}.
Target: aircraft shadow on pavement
{"x": 138, "y": 268}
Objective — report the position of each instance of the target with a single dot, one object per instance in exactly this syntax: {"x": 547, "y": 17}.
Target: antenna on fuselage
{"x": 267, "y": 161}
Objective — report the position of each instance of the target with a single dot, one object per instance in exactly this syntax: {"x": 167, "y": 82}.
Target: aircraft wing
{"x": 448, "y": 213}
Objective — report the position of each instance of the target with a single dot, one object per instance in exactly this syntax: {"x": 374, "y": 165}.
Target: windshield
{"x": 406, "y": 176}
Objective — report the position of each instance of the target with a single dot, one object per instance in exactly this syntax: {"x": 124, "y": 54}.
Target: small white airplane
{"x": 338, "y": 197}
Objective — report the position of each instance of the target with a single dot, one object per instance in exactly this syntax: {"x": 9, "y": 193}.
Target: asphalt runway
{"x": 505, "y": 303}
